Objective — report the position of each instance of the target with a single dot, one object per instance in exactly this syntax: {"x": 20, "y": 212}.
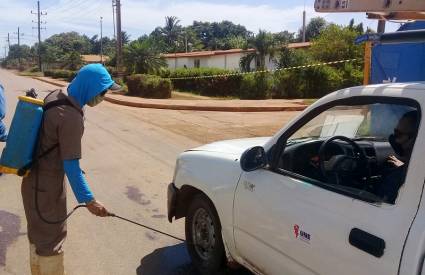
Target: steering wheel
{"x": 343, "y": 166}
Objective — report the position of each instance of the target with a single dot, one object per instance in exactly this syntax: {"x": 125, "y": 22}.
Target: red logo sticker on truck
{"x": 300, "y": 234}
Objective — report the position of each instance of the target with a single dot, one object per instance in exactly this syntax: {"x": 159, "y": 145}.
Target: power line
{"x": 74, "y": 12}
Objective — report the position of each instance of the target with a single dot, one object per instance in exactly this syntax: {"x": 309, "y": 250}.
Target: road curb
{"x": 205, "y": 108}
{"x": 49, "y": 81}
{"x": 112, "y": 100}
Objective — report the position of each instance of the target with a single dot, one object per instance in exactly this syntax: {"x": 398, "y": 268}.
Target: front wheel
{"x": 203, "y": 236}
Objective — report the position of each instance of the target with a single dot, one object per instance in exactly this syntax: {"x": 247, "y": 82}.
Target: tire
{"x": 203, "y": 236}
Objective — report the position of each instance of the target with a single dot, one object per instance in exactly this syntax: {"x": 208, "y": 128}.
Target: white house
{"x": 224, "y": 59}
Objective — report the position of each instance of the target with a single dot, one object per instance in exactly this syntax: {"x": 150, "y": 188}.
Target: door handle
{"x": 367, "y": 242}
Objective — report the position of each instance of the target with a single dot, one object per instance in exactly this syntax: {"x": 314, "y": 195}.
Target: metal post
{"x": 367, "y": 62}
{"x": 304, "y": 15}
{"x": 39, "y": 36}
{"x": 101, "y": 42}
{"x": 19, "y": 49}
{"x": 119, "y": 37}
{"x": 39, "y": 13}
{"x": 113, "y": 17}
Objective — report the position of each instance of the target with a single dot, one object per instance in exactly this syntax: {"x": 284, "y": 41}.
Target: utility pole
{"x": 304, "y": 15}
{"x": 19, "y": 46}
{"x": 119, "y": 37}
{"x": 39, "y": 14}
{"x": 8, "y": 40}
{"x": 101, "y": 38}
{"x": 113, "y": 17}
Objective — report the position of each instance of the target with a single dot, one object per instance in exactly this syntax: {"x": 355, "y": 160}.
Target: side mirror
{"x": 253, "y": 159}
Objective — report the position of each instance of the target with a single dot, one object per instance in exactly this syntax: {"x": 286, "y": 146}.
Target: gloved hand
{"x": 96, "y": 208}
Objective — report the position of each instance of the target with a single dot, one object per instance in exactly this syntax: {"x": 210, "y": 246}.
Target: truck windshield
{"x": 371, "y": 122}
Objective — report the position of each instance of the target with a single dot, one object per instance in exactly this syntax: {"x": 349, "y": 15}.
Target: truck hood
{"x": 233, "y": 147}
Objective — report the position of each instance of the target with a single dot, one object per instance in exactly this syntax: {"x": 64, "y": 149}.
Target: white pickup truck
{"x": 337, "y": 191}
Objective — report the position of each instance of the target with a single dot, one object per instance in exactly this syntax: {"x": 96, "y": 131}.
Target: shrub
{"x": 256, "y": 86}
{"x": 64, "y": 74}
{"x": 226, "y": 85}
{"x": 287, "y": 84}
{"x": 148, "y": 86}
{"x": 313, "y": 82}
{"x": 112, "y": 71}
{"x": 320, "y": 81}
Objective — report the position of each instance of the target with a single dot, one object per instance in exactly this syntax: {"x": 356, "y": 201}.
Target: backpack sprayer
{"x": 21, "y": 153}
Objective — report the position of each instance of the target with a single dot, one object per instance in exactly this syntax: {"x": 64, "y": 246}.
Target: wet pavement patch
{"x": 151, "y": 236}
{"x": 134, "y": 194}
{"x": 158, "y": 216}
{"x": 10, "y": 224}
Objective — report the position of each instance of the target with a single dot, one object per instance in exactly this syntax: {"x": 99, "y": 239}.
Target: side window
{"x": 361, "y": 151}
{"x": 197, "y": 63}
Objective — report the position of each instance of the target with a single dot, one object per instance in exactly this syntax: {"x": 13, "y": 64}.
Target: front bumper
{"x": 172, "y": 194}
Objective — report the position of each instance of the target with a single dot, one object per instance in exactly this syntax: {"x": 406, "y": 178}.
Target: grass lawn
{"x": 28, "y": 73}
{"x": 309, "y": 101}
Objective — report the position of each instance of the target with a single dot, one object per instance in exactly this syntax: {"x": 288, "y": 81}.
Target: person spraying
{"x": 43, "y": 189}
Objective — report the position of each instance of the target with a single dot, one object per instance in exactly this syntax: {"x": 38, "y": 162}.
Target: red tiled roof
{"x": 232, "y": 51}
{"x": 299, "y": 45}
{"x": 93, "y": 58}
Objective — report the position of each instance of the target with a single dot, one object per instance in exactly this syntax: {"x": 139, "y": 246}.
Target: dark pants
{"x": 47, "y": 238}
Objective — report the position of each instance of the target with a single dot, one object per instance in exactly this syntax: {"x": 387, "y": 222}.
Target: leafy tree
{"x": 70, "y": 41}
{"x": 264, "y": 44}
{"x": 359, "y": 28}
{"x": 22, "y": 51}
{"x": 235, "y": 42}
{"x": 313, "y": 28}
{"x": 141, "y": 56}
{"x": 72, "y": 61}
{"x": 284, "y": 37}
{"x": 292, "y": 57}
{"x": 171, "y": 31}
{"x": 215, "y": 35}
{"x": 125, "y": 37}
{"x": 336, "y": 43}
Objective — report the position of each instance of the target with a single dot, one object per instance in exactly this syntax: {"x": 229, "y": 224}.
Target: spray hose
{"x": 85, "y": 206}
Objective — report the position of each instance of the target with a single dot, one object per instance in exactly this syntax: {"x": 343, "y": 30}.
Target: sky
{"x": 142, "y": 16}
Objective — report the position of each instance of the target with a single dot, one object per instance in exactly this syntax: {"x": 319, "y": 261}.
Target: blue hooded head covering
{"x": 90, "y": 81}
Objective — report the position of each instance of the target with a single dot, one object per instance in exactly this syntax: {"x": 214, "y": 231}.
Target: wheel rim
{"x": 203, "y": 236}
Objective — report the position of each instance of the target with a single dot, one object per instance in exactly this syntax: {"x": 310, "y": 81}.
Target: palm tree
{"x": 171, "y": 31}
{"x": 141, "y": 56}
{"x": 264, "y": 44}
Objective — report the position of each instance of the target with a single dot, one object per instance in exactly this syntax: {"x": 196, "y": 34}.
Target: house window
{"x": 197, "y": 63}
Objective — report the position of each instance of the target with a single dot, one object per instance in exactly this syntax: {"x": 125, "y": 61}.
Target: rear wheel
{"x": 203, "y": 236}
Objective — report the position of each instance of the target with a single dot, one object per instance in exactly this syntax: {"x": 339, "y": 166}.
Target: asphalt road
{"x": 129, "y": 163}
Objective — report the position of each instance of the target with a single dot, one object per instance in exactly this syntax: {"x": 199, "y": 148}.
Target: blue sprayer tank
{"x": 23, "y": 135}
